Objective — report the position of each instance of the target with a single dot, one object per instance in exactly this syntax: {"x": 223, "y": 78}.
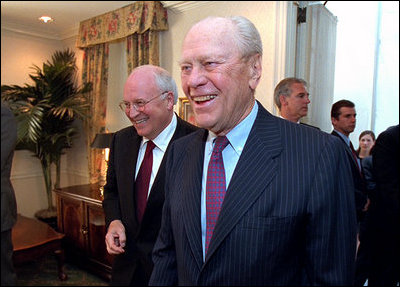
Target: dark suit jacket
{"x": 360, "y": 188}
{"x": 370, "y": 184}
{"x": 287, "y": 218}
{"x": 119, "y": 203}
{"x": 8, "y": 140}
{"x": 384, "y": 213}
{"x": 307, "y": 125}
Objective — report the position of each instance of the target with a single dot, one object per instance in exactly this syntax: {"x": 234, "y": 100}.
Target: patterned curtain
{"x": 138, "y": 17}
{"x": 95, "y": 70}
{"x": 139, "y": 24}
{"x": 142, "y": 49}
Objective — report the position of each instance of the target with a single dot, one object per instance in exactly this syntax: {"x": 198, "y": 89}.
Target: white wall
{"x": 261, "y": 13}
{"x": 117, "y": 75}
{"x": 18, "y": 53}
{"x": 367, "y": 69}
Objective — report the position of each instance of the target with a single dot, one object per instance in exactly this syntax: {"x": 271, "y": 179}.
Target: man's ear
{"x": 255, "y": 71}
{"x": 170, "y": 100}
{"x": 283, "y": 100}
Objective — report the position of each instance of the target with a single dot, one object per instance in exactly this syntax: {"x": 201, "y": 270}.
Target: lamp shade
{"x": 102, "y": 140}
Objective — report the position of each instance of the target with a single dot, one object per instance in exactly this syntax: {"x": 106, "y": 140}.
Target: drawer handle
{"x": 84, "y": 230}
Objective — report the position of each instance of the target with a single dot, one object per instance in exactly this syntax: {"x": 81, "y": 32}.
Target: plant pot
{"x": 48, "y": 216}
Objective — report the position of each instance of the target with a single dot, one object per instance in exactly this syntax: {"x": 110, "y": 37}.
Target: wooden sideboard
{"x": 80, "y": 217}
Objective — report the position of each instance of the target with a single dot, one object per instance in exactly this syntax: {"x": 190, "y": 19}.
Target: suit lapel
{"x": 193, "y": 172}
{"x": 129, "y": 149}
{"x": 156, "y": 196}
{"x": 255, "y": 170}
{"x": 348, "y": 150}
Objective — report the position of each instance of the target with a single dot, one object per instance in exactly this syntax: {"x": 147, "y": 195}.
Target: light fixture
{"x": 103, "y": 141}
{"x": 46, "y": 19}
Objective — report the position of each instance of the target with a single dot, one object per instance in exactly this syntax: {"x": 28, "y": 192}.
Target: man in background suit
{"x": 8, "y": 202}
{"x": 343, "y": 118}
{"x": 292, "y": 99}
{"x": 287, "y": 217}
{"x": 149, "y": 97}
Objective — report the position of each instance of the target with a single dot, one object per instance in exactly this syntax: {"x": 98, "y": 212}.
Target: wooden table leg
{"x": 60, "y": 264}
{"x": 33, "y": 239}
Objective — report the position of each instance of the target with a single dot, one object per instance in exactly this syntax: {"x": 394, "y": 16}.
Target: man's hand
{"x": 115, "y": 238}
{"x": 366, "y": 206}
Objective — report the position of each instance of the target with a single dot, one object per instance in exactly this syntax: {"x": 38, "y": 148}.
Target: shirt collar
{"x": 345, "y": 138}
{"x": 238, "y": 135}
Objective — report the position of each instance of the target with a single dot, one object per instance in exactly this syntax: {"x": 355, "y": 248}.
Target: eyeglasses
{"x": 139, "y": 105}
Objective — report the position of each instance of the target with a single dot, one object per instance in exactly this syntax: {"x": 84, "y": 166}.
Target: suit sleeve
{"x": 331, "y": 231}
{"x": 386, "y": 168}
{"x": 8, "y": 141}
{"x": 8, "y": 135}
{"x": 111, "y": 198}
{"x": 164, "y": 255}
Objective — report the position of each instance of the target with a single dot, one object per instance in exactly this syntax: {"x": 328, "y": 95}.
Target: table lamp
{"x": 103, "y": 141}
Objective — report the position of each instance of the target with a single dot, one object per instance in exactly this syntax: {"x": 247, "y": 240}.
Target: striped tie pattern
{"x": 216, "y": 186}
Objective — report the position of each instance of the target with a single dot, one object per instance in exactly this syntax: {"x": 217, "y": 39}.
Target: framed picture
{"x": 185, "y": 111}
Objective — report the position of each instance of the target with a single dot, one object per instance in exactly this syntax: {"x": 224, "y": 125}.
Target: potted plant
{"x": 45, "y": 111}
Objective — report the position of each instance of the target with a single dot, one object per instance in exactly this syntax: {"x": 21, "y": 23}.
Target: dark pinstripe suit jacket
{"x": 287, "y": 218}
{"x": 119, "y": 203}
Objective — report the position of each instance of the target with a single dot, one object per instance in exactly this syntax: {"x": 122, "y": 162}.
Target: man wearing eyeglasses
{"x": 134, "y": 193}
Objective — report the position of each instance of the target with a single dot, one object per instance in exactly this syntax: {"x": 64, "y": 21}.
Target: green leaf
{"x": 45, "y": 110}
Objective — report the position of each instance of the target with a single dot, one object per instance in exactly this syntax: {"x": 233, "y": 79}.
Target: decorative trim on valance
{"x": 135, "y": 18}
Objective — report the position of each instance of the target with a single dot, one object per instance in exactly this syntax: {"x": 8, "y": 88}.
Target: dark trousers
{"x": 8, "y": 276}
{"x": 363, "y": 260}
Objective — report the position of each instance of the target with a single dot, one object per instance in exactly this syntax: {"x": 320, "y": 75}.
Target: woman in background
{"x": 363, "y": 261}
{"x": 366, "y": 142}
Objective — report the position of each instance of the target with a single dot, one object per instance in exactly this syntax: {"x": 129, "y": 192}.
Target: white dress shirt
{"x": 161, "y": 142}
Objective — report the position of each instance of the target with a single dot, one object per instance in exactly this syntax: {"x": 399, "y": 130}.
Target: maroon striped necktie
{"x": 216, "y": 186}
{"x": 355, "y": 156}
{"x": 143, "y": 181}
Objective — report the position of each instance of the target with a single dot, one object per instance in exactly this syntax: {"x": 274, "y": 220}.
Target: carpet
{"x": 43, "y": 272}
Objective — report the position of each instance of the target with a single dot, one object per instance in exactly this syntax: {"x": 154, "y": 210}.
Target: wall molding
{"x": 20, "y": 29}
{"x": 182, "y": 6}
{"x": 38, "y": 173}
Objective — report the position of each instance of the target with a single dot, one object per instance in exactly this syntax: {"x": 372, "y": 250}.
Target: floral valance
{"x": 135, "y": 18}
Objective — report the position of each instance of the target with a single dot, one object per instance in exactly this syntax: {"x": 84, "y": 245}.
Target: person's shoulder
{"x": 311, "y": 126}
{"x": 186, "y": 126}
{"x": 393, "y": 130}
{"x": 191, "y": 138}
{"x": 366, "y": 161}
{"x": 5, "y": 111}
{"x": 389, "y": 137}
{"x": 127, "y": 131}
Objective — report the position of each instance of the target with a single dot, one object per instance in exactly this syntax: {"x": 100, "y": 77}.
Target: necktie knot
{"x": 220, "y": 143}
{"x": 150, "y": 146}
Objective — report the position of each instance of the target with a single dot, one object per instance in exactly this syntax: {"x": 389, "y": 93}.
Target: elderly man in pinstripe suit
{"x": 285, "y": 214}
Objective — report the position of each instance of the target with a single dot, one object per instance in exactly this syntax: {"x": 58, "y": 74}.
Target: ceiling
{"x": 22, "y": 16}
